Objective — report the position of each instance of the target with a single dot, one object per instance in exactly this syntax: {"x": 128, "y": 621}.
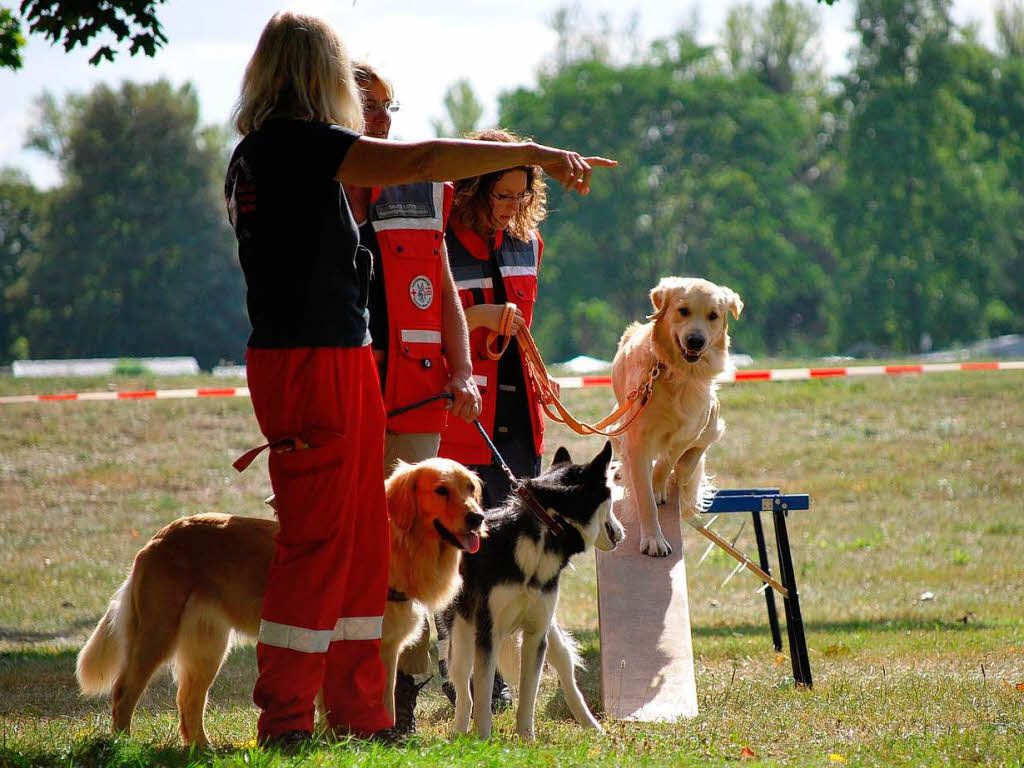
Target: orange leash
{"x": 625, "y": 414}
{"x": 508, "y": 315}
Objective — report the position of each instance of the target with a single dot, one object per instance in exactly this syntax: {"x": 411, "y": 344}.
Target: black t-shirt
{"x": 378, "y": 296}
{"x": 306, "y": 276}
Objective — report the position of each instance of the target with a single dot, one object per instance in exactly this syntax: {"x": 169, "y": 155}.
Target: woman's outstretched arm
{"x": 379, "y": 163}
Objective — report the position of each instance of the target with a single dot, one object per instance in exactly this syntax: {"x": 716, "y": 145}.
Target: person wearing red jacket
{"x": 312, "y": 378}
{"x": 420, "y": 339}
{"x": 495, "y": 251}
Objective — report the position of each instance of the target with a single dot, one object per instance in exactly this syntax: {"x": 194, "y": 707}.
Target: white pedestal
{"x": 646, "y": 648}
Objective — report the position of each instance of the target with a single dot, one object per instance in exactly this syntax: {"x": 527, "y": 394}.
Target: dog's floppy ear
{"x": 561, "y": 457}
{"x": 600, "y": 462}
{"x": 401, "y": 492}
{"x": 658, "y": 294}
{"x": 733, "y": 301}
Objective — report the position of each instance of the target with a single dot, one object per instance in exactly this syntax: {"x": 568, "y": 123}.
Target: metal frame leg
{"x": 794, "y": 621}
{"x": 769, "y": 593}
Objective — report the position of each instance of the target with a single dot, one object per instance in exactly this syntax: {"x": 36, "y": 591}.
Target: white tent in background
{"x": 584, "y": 364}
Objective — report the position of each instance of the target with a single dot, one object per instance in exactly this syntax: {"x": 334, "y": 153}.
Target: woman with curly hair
{"x": 312, "y": 378}
{"x": 495, "y": 250}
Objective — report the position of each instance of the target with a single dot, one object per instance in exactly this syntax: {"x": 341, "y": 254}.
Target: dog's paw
{"x": 660, "y": 497}
{"x": 460, "y": 726}
{"x": 655, "y": 546}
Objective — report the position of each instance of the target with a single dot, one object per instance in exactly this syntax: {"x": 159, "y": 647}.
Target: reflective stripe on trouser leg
{"x": 293, "y": 391}
{"x": 355, "y": 677}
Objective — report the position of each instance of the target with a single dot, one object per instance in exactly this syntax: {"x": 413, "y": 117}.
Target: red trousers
{"x": 328, "y": 580}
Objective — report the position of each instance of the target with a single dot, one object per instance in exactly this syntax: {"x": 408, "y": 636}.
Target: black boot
{"x": 446, "y": 685}
{"x": 289, "y": 742}
{"x": 501, "y": 695}
{"x": 406, "y": 692}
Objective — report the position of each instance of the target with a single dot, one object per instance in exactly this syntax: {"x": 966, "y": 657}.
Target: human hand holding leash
{"x": 467, "y": 402}
{"x": 490, "y": 316}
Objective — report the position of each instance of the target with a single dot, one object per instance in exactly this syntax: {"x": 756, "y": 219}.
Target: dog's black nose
{"x": 695, "y": 341}
{"x": 474, "y": 520}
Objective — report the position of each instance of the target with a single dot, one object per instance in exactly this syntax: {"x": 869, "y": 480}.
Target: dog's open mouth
{"x": 468, "y": 542}
{"x": 688, "y": 355}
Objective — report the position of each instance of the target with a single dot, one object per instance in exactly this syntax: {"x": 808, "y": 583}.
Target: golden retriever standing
{"x": 202, "y": 577}
{"x": 687, "y": 339}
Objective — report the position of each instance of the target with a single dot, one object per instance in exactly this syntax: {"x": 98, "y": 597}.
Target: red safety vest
{"x": 519, "y": 261}
{"x": 409, "y": 221}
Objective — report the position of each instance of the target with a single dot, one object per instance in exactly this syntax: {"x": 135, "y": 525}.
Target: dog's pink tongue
{"x": 470, "y": 542}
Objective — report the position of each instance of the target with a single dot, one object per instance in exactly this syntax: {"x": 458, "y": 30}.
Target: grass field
{"x": 910, "y": 565}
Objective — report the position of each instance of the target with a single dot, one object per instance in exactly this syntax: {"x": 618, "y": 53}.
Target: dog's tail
{"x": 568, "y": 642}
{"x": 103, "y": 654}
{"x": 510, "y": 657}
{"x": 706, "y": 491}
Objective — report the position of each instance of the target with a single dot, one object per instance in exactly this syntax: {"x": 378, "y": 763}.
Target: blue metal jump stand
{"x": 756, "y": 501}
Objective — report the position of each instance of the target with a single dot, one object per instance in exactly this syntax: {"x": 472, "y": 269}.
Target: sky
{"x": 422, "y": 46}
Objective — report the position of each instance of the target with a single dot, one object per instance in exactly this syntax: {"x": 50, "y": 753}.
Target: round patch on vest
{"x": 421, "y": 291}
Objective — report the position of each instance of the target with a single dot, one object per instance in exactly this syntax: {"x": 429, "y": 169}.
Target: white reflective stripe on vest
{"x": 295, "y": 638}
{"x": 468, "y": 285}
{"x": 518, "y": 271}
{"x": 358, "y": 628}
{"x": 421, "y": 337}
{"x": 435, "y": 223}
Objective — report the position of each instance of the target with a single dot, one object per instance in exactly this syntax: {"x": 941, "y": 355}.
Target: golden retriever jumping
{"x": 687, "y": 338}
{"x": 201, "y": 578}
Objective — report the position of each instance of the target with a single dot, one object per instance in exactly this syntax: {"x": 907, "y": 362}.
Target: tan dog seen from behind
{"x": 200, "y": 579}
{"x": 687, "y": 337}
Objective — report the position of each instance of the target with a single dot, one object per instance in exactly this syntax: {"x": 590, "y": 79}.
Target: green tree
{"x": 716, "y": 179}
{"x": 921, "y": 217}
{"x": 462, "y": 108}
{"x": 138, "y": 259}
{"x": 1010, "y": 28}
{"x": 21, "y": 220}
{"x": 778, "y": 45}
{"x": 76, "y": 23}
{"x": 989, "y": 84}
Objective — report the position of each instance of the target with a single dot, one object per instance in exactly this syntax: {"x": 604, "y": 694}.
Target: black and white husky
{"x": 511, "y": 585}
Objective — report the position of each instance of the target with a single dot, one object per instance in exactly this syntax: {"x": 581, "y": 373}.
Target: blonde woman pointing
{"x": 312, "y": 377}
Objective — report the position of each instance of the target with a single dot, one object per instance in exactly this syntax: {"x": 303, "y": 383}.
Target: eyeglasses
{"x": 370, "y": 107}
{"x": 519, "y": 199}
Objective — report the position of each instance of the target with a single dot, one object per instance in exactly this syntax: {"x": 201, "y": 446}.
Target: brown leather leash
{"x": 635, "y": 402}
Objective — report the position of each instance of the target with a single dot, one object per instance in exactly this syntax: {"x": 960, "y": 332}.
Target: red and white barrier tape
{"x": 566, "y": 382}
{"x": 802, "y": 374}
{"x": 147, "y": 394}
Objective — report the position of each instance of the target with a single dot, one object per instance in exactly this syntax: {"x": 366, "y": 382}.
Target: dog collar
{"x": 537, "y": 508}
